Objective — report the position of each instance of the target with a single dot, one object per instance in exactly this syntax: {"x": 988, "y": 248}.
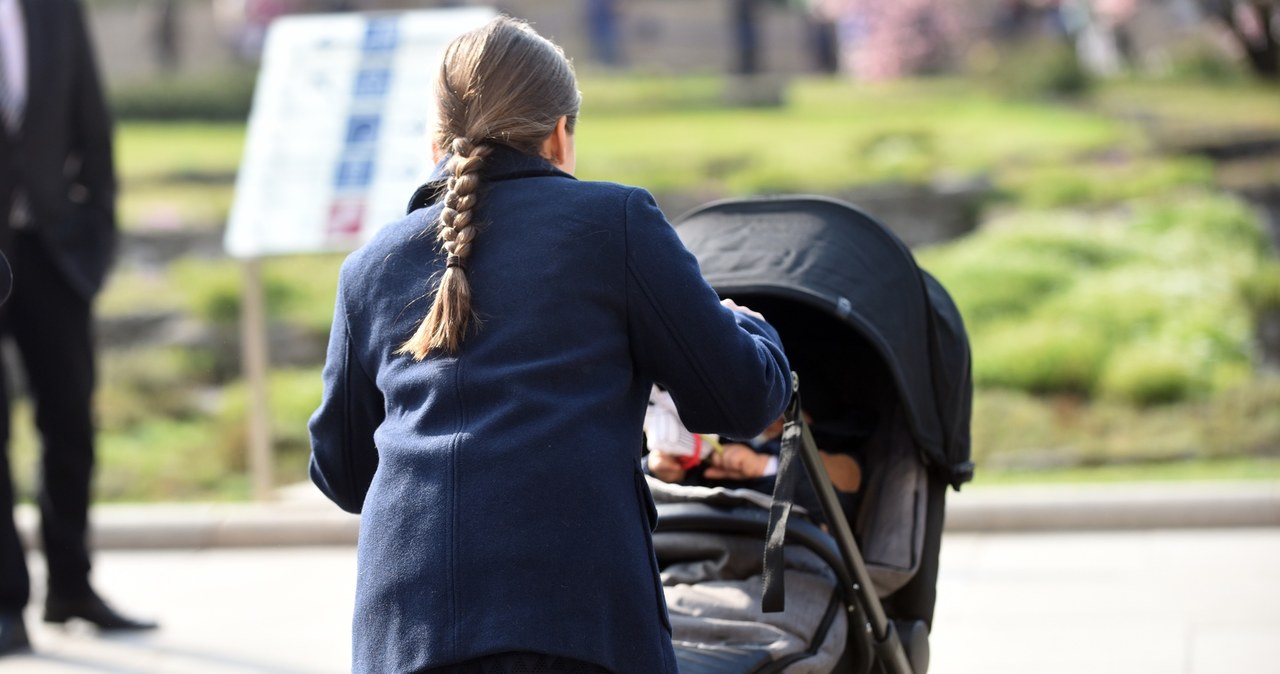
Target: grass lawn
{"x": 1245, "y": 105}
{"x": 830, "y": 134}
{"x": 1190, "y": 470}
{"x": 674, "y": 134}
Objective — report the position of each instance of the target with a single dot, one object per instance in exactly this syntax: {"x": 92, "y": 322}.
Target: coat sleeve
{"x": 726, "y": 371}
{"x": 343, "y": 455}
{"x": 92, "y": 152}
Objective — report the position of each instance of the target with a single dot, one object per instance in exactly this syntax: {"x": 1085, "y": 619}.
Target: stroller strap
{"x": 773, "y": 595}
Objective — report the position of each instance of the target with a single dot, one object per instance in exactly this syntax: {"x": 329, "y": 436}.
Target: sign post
{"x": 253, "y": 341}
{"x": 338, "y": 140}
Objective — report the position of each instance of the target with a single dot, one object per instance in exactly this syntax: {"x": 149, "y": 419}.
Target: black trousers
{"x": 51, "y": 326}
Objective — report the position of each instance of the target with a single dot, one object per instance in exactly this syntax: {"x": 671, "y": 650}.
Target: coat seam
{"x": 455, "y": 523}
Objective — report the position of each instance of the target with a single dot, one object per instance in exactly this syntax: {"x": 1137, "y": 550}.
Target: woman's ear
{"x": 436, "y": 153}
{"x": 558, "y": 147}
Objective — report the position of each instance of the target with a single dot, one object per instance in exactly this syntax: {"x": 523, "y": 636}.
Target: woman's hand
{"x": 665, "y": 467}
{"x": 736, "y": 462}
{"x": 740, "y": 309}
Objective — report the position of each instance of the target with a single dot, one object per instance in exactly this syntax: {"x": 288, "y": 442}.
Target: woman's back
{"x": 497, "y": 468}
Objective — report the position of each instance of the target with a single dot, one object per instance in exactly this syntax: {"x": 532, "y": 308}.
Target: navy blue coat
{"x": 503, "y": 505}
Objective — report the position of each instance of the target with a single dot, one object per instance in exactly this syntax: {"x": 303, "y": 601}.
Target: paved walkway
{"x": 1185, "y": 601}
{"x": 1161, "y": 579}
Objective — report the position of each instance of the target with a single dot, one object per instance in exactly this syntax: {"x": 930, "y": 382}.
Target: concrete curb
{"x": 195, "y": 526}
{"x": 1115, "y": 506}
{"x": 302, "y": 518}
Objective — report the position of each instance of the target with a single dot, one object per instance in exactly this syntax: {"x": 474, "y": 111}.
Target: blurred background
{"x": 1097, "y": 182}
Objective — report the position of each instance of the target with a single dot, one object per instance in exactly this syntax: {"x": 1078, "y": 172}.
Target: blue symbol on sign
{"x": 355, "y": 173}
{"x": 363, "y": 129}
{"x": 380, "y": 35}
{"x": 372, "y": 83}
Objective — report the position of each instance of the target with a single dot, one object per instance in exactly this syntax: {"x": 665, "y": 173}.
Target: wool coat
{"x": 503, "y": 508}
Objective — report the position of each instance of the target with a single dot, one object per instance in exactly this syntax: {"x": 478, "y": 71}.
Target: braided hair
{"x": 499, "y": 84}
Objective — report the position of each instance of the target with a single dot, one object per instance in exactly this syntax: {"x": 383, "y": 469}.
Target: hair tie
{"x": 454, "y": 261}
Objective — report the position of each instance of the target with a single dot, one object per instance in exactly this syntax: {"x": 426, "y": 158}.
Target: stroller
{"x": 881, "y": 363}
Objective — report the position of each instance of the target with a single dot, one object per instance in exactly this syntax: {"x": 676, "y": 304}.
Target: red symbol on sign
{"x": 346, "y": 216}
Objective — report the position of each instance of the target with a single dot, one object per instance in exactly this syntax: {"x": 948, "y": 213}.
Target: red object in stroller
{"x": 882, "y": 364}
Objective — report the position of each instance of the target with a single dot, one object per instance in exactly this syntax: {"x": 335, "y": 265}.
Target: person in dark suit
{"x": 493, "y": 448}
{"x": 58, "y": 229}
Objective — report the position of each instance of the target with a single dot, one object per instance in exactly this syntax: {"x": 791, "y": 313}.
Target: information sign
{"x": 338, "y": 135}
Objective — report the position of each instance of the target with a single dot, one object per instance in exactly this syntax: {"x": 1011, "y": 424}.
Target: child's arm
{"x": 740, "y": 462}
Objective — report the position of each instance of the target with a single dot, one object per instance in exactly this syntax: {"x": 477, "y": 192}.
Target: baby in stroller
{"x": 751, "y": 463}
{"x": 679, "y": 457}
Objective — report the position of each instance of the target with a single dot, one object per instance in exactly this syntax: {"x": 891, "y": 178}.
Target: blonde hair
{"x": 501, "y": 83}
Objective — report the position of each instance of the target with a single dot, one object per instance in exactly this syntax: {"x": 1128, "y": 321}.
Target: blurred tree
{"x": 887, "y": 40}
{"x": 1253, "y": 23}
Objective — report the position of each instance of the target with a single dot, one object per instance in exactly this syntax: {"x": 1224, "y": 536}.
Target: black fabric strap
{"x": 773, "y": 596}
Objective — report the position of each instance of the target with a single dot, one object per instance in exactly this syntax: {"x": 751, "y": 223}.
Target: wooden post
{"x": 254, "y": 358}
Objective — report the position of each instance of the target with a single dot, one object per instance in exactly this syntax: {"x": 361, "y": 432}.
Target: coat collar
{"x": 505, "y": 163}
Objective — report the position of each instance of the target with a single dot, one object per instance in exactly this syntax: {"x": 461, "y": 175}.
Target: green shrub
{"x": 1146, "y": 375}
{"x": 1006, "y": 287}
{"x": 154, "y": 156}
{"x": 1040, "y": 357}
{"x": 1123, "y": 303}
{"x": 1200, "y": 60}
{"x": 631, "y": 94}
{"x": 1018, "y": 433}
{"x": 292, "y": 396}
{"x": 1042, "y": 68}
{"x": 1245, "y": 419}
{"x": 164, "y": 459}
{"x": 137, "y": 385}
{"x": 1214, "y": 220}
{"x": 1084, "y": 242}
{"x": 1147, "y": 304}
{"x": 1013, "y": 266}
{"x": 224, "y": 97}
{"x": 214, "y": 289}
{"x": 1261, "y": 289}
{"x": 1103, "y": 182}
{"x": 908, "y": 155}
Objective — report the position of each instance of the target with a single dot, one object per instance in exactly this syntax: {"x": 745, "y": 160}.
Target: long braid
{"x": 451, "y": 314}
{"x": 503, "y": 84}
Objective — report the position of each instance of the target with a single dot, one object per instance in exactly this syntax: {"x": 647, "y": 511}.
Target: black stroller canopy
{"x": 842, "y": 264}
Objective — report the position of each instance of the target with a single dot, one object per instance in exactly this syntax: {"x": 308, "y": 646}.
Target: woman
{"x": 493, "y": 447}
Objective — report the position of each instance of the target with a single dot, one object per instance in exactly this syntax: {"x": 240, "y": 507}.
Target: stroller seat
{"x": 719, "y": 659}
{"x": 710, "y": 543}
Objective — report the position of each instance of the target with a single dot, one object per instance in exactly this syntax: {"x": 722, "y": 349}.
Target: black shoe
{"x": 91, "y": 608}
{"x": 13, "y": 634}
